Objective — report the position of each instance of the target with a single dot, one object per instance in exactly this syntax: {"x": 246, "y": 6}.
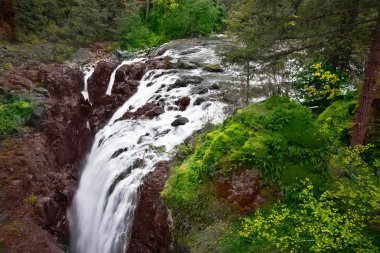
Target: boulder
{"x": 213, "y": 68}
{"x": 186, "y": 80}
{"x": 183, "y": 103}
{"x": 199, "y": 90}
{"x": 180, "y": 121}
{"x": 199, "y": 100}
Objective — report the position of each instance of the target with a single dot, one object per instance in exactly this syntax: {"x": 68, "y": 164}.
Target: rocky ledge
{"x": 151, "y": 230}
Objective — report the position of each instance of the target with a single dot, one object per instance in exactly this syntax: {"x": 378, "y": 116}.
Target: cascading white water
{"x": 87, "y": 74}
{"x": 124, "y": 151}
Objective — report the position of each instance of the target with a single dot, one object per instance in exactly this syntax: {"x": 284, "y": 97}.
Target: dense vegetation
{"x": 331, "y": 196}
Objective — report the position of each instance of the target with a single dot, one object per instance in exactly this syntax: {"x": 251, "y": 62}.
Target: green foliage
{"x": 335, "y": 220}
{"x": 76, "y": 22}
{"x": 136, "y": 34}
{"x": 331, "y": 198}
{"x": 278, "y": 137}
{"x": 315, "y": 224}
{"x": 182, "y": 18}
{"x": 170, "y": 19}
{"x": 320, "y": 84}
{"x": 272, "y": 136}
{"x": 14, "y": 112}
{"x": 272, "y": 31}
{"x": 337, "y": 119}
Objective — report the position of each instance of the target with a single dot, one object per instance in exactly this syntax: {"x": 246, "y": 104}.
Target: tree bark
{"x": 370, "y": 86}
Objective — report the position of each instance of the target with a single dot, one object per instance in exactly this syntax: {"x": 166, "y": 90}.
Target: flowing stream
{"x": 124, "y": 151}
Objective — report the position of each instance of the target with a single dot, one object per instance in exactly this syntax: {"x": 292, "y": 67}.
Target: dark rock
{"x": 215, "y": 86}
{"x": 199, "y": 90}
{"x": 155, "y": 111}
{"x": 199, "y": 100}
{"x": 190, "y": 51}
{"x": 180, "y": 121}
{"x": 151, "y": 229}
{"x": 184, "y": 64}
{"x": 98, "y": 82}
{"x": 186, "y": 80}
{"x": 119, "y": 152}
{"x": 183, "y": 103}
{"x": 148, "y": 110}
{"x": 205, "y": 106}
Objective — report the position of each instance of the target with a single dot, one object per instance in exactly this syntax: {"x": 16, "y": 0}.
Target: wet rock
{"x": 98, "y": 82}
{"x": 155, "y": 111}
{"x": 215, "y": 86}
{"x": 242, "y": 190}
{"x": 180, "y": 121}
{"x": 151, "y": 229}
{"x": 119, "y": 152}
{"x": 131, "y": 72}
{"x": 190, "y": 51}
{"x": 213, "y": 68}
{"x": 199, "y": 90}
{"x": 199, "y": 100}
{"x": 183, "y": 103}
{"x": 186, "y": 80}
{"x": 148, "y": 110}
{"x": 165, "y": 132}
{"x": 184, "y": 64}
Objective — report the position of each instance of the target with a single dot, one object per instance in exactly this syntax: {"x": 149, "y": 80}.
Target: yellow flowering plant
{"x": 320, "y": 84}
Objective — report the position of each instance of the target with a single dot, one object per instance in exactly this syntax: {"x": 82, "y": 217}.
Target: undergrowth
{"x": 330, "y": 197}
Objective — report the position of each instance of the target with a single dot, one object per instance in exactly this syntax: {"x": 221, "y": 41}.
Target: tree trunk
{"x": 147, "y": 7}
{"x": 370, "y": 86}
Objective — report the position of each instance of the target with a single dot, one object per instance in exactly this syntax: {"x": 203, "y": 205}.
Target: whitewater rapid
{"x": 124, "y": 151}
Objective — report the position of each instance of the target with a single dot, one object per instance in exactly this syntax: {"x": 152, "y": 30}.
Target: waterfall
{"x": 124, "y": 151}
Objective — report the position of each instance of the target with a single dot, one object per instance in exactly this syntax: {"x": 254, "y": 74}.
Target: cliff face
{"x": 40, "y": 167}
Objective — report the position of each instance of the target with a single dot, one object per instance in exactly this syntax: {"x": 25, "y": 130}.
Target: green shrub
{"x": 320, "y": 84}
{"x": 337, "y": 120}
{"x": 337, "y": 219}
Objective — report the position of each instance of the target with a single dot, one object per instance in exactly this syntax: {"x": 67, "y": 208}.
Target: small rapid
{"x": 124, "y": 151}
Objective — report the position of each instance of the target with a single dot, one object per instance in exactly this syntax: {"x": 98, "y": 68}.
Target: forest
{"x": 296, "y": 171}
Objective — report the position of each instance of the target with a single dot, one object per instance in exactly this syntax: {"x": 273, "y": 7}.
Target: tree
{"x": 336, "y": 31}
{"x": 370, "y": 88}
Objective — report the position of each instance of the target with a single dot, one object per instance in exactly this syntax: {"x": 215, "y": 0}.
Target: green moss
{"x": 32, "y": 200}
{"x": 14, "y": 112}
{"x": 337, "y": 120}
